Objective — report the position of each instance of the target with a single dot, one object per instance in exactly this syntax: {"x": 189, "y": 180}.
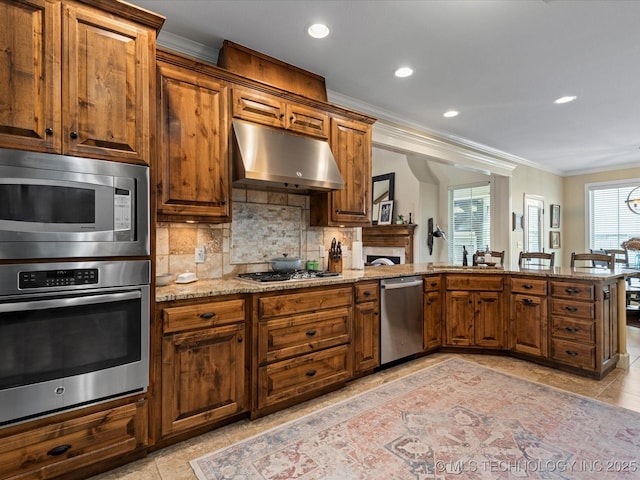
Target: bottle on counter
{"x": 465, "y": 261}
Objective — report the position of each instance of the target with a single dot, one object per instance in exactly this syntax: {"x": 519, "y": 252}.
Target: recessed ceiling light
{"x": 450, "y": 113}
{"x": 403, "y": 72}
{"x": 567, "y": 99}
{"x": 318, "y": 30}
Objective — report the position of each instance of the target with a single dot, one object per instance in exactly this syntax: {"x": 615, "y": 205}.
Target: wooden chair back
{"x": 539, "y": 259}
{"x": 596, "y": 259}
{"x": 621, "y": 255}
{"x": 496, "y": 256}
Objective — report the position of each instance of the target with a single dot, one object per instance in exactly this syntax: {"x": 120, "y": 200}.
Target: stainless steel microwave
{"x": 54, "y": 206}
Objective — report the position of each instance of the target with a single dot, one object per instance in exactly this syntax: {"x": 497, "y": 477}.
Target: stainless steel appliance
{"x": 71, "y": 334}
{"x": 54, "y": 206}
{"x": 401, "y": 318}
{"x": 287, "y": 276}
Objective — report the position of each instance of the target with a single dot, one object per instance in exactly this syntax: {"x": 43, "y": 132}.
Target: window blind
{"x": 469, "y": 220}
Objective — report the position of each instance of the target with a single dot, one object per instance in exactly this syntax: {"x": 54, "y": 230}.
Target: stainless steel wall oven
{"x": 71, "y": 334}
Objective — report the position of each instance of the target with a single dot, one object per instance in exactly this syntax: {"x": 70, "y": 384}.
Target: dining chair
{"x": 538, "y": 259}
{"x": 596, "y": 259}
{"x": 496, "y": 256}
{"x": 622, "y": 255}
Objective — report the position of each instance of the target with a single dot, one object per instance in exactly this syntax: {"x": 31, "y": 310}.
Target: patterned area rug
{"x": 454, "y": 420}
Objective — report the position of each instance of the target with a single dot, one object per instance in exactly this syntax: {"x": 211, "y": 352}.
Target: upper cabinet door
{"x": 351, "y": 146}
{"x": 106, "y": 85}
{"x": 255, "y": 106}
{"x": 30, "y": 75}
{"x": 307, "y": 120}
{"x": 193, "y": 165}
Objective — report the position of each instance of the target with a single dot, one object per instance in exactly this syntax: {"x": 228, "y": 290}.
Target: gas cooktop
{"x": 287, "y": 276}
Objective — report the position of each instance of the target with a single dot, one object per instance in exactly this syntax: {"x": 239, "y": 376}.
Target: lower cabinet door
{"x": 432, "y": 310}
{"x": 202, "y": 377}
{"x": 366, "y": 336}
{"x": 530, "y": 329}
{"x": 60, "y": 448}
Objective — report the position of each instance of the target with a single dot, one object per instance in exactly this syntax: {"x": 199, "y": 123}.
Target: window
{"x": 610, "y": 220}
{"x": 469, "y": 220}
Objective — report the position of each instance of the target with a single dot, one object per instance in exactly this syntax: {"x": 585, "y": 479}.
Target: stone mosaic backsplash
{"x": 265, "y": 225}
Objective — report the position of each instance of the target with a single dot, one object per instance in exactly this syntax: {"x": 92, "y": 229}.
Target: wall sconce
{"x": 633, "y": 200}
{"x": 431, "y": 233}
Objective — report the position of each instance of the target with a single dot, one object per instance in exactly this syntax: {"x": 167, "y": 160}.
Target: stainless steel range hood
{"x": 274, "y": 159}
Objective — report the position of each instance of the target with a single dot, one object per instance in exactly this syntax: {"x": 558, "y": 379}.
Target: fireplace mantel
{"x": 391, "y": 236}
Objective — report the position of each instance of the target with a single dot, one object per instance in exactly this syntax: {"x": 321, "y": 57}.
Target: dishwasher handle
{"x": 393, "y": 286}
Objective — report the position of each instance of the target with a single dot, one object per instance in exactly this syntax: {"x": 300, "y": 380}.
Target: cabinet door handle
{"x": 310, "y": 373}
{"x": 73, "y": 135}
{"x": 571, "y": 309}
{"x": 571, "y": 353}
{"x": 240, "y": 340}
{"x": 527, "y": 286}
{"x": 207, "y": 315}
{"x": 59, "y": 450}
{"x": 292, "y": 118}
{"x": 571, "y": 290}
{"x": 281, "y": 116}
{"x": 571, "y": 329}
{"x": 48, "y": 131}
{"x": 528, "y": 302}
{"x": 337, "y": 210}
{"x": 311, "y": 333}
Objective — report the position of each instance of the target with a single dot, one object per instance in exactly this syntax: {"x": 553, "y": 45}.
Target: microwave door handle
{"x": 68, "y": 302}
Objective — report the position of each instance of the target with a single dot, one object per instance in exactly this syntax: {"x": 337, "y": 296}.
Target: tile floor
{"x": 620, "y": 387}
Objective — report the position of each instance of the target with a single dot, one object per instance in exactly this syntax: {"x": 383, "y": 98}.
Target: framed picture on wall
{"x": 555, "y": 216}
{"x": 516, "y": 219}
{"x": 554, "y": 240}
{"x": 385, "y": 214}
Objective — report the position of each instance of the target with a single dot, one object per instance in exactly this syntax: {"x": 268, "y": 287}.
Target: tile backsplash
{"x": 265, "y": 225}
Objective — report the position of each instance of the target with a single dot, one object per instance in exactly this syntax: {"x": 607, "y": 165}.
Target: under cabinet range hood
{"x": 274, "y": 159}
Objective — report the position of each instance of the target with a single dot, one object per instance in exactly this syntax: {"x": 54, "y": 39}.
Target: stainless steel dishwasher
{"x": 401, "y": 320}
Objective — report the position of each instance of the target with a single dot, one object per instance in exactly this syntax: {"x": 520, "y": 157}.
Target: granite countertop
{"x": 233, "y": 285}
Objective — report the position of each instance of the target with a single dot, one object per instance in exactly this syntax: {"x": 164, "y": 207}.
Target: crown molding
{"x": 188, "y": 47}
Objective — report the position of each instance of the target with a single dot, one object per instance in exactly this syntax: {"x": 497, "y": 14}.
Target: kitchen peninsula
{"x": 305, "y": 337}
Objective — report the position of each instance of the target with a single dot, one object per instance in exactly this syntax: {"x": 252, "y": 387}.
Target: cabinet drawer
{"x": 573, "y": 330}
{"x": 474, "y": 282}
{"x": 289, "y": 379}
{"x": 529, "y": 286}
{"x": 63, "y": 447}
{"x": 584, "y": 310}
{"x": 433, "y": 283}
{"x": 366, "y": 292}
{"x": 576, "y": 354}
{"x": 203, "y": 315}
{"x": 286, "y": 337}
{"x": 578, "y": 291}
{"x": 304, "y": 301}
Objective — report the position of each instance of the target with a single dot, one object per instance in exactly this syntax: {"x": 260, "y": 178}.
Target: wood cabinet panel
{"x": 202, "y": 377}
{"x": 60, "y": 448}
{"x": 432, "y": 310}
{"x": 573, "y": 330}
{"x": 367, "y": 292}
{"x": 530, "y": 324}
{"x": 489, "y": 319}
{"x": 286, "y": 380}
{"x": 529, "y": 286}
{"x": 475, "y": 282}
{"x": 308, "y": 301}
{"x": 573, "y": 309}
{"x": 432, "y": 283}
{"x": 460, "y": 318}
{"x": 203, "y": 315}
{"x": 290, "y": 336}
{"x": 572, "y": 353}
{"x": 30, "y": 72}
{"x": 194, "y": 179}
{"x": 572, "y": 290}
{"x": 366, "y": 321}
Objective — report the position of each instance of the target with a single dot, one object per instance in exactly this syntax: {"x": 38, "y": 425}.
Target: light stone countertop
{"x": 233, "y": 285}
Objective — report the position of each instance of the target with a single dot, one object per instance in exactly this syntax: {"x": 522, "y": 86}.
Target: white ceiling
{"x": 500, "y": 63}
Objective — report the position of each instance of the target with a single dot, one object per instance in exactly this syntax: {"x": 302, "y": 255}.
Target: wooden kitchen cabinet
{"x": 584, "y": 325}
{"x": 203, "y": 364}
{"x": 366, "y": 332}
{"x": 194, "y": 177}
{"x": 71, "y": 448}
{"x": 260, "y": 107}
{"x": 304, "y": 345}
{"x": 475, "y": 311}
{"x": 432, "y": 311}
{"x": 529, "y": 316}
{"x": 350, "y": 143}
{"x": 80, "y": 78}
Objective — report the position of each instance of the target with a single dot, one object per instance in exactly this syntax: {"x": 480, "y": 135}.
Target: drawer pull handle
{"x": 311, "y": 333}
{"x": 571, "y": 309}
{"x": 310, "y": 373}
{"x": 571, "y": 290}
{"x": 572, "y": 329}
{"x": 207, "y": 315}
{"x": 367, "y": 293}
{"x": 572, "y": 353}
{"x": 59, "y": 450}
{"x": 433, "y": 284}
{"x": 527, "y": 286}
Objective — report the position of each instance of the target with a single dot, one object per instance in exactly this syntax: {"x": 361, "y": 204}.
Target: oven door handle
{"x": 69, "y": 301}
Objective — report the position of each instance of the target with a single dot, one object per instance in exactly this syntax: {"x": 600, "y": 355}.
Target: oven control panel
{"x": 57, "y": 278}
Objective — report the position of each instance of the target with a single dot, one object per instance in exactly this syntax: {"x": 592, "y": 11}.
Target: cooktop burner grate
{"x": 286, "y": 276}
